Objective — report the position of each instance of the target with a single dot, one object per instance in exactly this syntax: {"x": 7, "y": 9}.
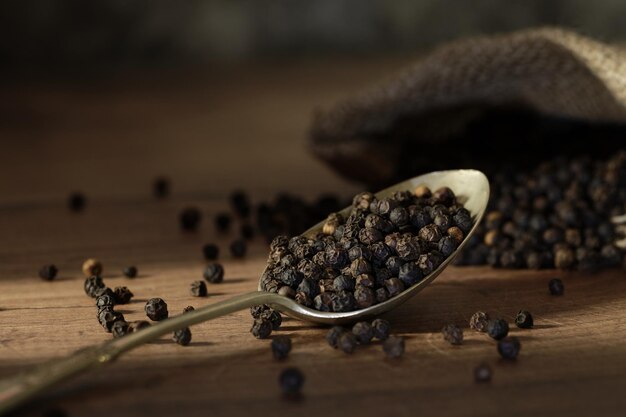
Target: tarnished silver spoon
{"x": 471, "y": 188}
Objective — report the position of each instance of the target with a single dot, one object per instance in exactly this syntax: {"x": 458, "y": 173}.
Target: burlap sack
{"x": 429, "y": 111}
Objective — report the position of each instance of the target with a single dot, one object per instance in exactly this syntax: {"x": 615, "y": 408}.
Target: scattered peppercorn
{"x": 182, "y": 336}
{"x": 214, "y": 273}
{"x": 122, "y": 295}
{"x": 482, "y": 373}
{"x": 94, "y": 285}
{"x": 393, "y": 346}
{"x": 161, "y": 187}
{"x": 108, "y": 316}
{"x": 189, "y": 219}
{"x": 198, "y": 289}
{"x": 222, "y": 222}
{"x": 509, "y": 347}
{"x": 240, "y": 203}
{"x": 48, "y": 272}
{"x": 92, "y": 267}
{"x": 291, "y": 381}
{"x": 524, "y": 320}
{"x": 555, "y": 285}
{"x": 104, "y": 301}
{"x": 452, "y": 334}
{"x": 497, "y": 328}
{"x": 76, "y": 202}
{"x": 347, "y": 342}
{"x": 130, "y": 272}
{"x": 363, "y": 332}
{"x": 238, "y": 248}
{"x": 479, "y": 321}
{"x": 210, "y": 251}
{"x": 119, "y": 328}
{"x": 261, "y": 328}
{"x": 332, "y": 337}
{"x": 381, "y": 329}
{"x": 246, "y": 231}
{"x": 281, "y": 346}
{"x": 156, "y": 309}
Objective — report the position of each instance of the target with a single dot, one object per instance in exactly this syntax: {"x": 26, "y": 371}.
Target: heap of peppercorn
{"x": 375, "y": 252}
{"x": 556, "y": 216}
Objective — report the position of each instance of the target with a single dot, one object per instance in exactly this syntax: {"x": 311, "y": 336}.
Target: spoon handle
{"x": 16, "y": 390}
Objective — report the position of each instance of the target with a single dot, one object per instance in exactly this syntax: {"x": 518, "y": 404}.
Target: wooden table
{"x": 211, "y": 132}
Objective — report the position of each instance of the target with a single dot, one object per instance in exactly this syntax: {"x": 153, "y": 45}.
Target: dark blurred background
{"x": 103, "y": 96}
{"x": 47, "y": 35}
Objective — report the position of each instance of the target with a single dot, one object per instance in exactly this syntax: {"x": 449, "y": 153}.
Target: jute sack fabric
{"x": 549, "y": 71}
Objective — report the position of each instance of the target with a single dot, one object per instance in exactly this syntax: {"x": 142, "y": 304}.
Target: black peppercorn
{"x": 261, "y": 328}
{"x": 210, "y": 251}
{"x": 281, "y": 346}
{"x": 430, "y": 234}
{"x": 156, "y": 309}
{"x": 410, "y": 274}
{"x": 479, "y": 321}
{"x": 122, "y": 295}
{"x": 130, "y": 272}
{"x": 332, "y": 337}
{"x": 189, "y": 219}
{"x": 482, "y": 373}
{"x": 362, "y": 200}
{"x": 408, "y": 248}
{"x": 343, "y": 283}
{"x": 524, "y": 320}
{"x": 347, "y": 342}
{"x": 246, "y": 231}
{"x": 287, "y": 291}
{"x": 509, "y": 347}
{"x": 107, "y": 317}
{"x": 422, "y": 191}
{"x": 363, "y": 332}
{"x": 556, "y": 287}
{"x": 381, "y": 329}
{"x": 394, "y": 286}
{"x": 364, "y": 297}
{"x": 182, "y": 336}
{"x": 119, "y": 328}
{"x": 445, "y": 196}
{"x": 94, "y": 285}
{"x": 393, "y": 346}
{"x": 48, "y": 272}
{"x": 188, "y": 309}
{"x": 76, "y": 202}
{"x": 291, "y": 381}
{"x": 381, "y": 295}
{"x": 273, "y": 317}
{"x": 343, "y": 301}
{"x": 256, "y": 311}
{"x": 104, "y": 301}
{"x": 223, "y": 222}
{"x": 240, "y": 203}
{"x": 214, "y": 273}
{"x": 238, "y": 248}
{"x": 370, "y": 235}
{"x": 452, "y": 334}
{"x": 198, "y": 289}
{"x": 324, "y": 301}
{"x": 161, "y": 187}
{"x": 360, "y": 266}
{"x": 92, "y": 267}
{"x": 497, "y": 328}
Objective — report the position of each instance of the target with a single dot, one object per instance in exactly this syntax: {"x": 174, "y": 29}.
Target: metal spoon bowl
{"x": 471, "y": 188}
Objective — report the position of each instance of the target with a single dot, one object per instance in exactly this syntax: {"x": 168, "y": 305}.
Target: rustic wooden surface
{"x": 246, "y": 129}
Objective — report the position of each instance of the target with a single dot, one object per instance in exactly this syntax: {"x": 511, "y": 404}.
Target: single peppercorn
{"x": 291, "y": 381}
{"x": 273, "y": 316}
{"x": 238, "y": 248}
{"x": 214, "y": 273}
{"x": 482, "y": 373}
{"x": 555, "y": 285}
{"x": 182, "y": 336}
{"x": 92, "y": 267}
{"x": 105, "y": 301}
{"x": 452, "y": 334}
{"x": 189, "y": 219}
{"x": 122, "y": 295}
{"x": 76, "y": 202}
{"x": 332, "y": 337}
{"x": 422, "y": 191}
{"x": 479, "y": 321}
{"x": 94, "y": 285}
{"x": 210, "y": 251}
{"x": 246, "y": 231}
{"x": 347, "y": 342}
{"x": 198, "y": 289}
{"x": 119, "y": 328}
{"x": 524, "y": 320}
{"x": 381, "y": 329}
{"x": 156, "y": 309}
{"x": 509, "y": 347}
{"x": 363, "y": 332}
{"x": 130, "y": 272}
{"x": 393, "y": 346}
{"x": 107, "y": 317}
{"x": 261, "y": 328}
{"x": 48, "y": 272}
{"x": 256, "y": 311}
{"x": 281, "y": 346}
{"x": 223, "y": 222}
{"x": 161, "y": 187}
{"x": 497, "y": 328}
{"x": 240, "y": 203}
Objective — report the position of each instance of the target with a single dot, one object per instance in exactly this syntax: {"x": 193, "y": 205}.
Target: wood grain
{"x": 572, "y": 363}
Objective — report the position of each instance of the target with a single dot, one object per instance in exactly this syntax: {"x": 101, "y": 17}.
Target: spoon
{"x": 471, "y": 188}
